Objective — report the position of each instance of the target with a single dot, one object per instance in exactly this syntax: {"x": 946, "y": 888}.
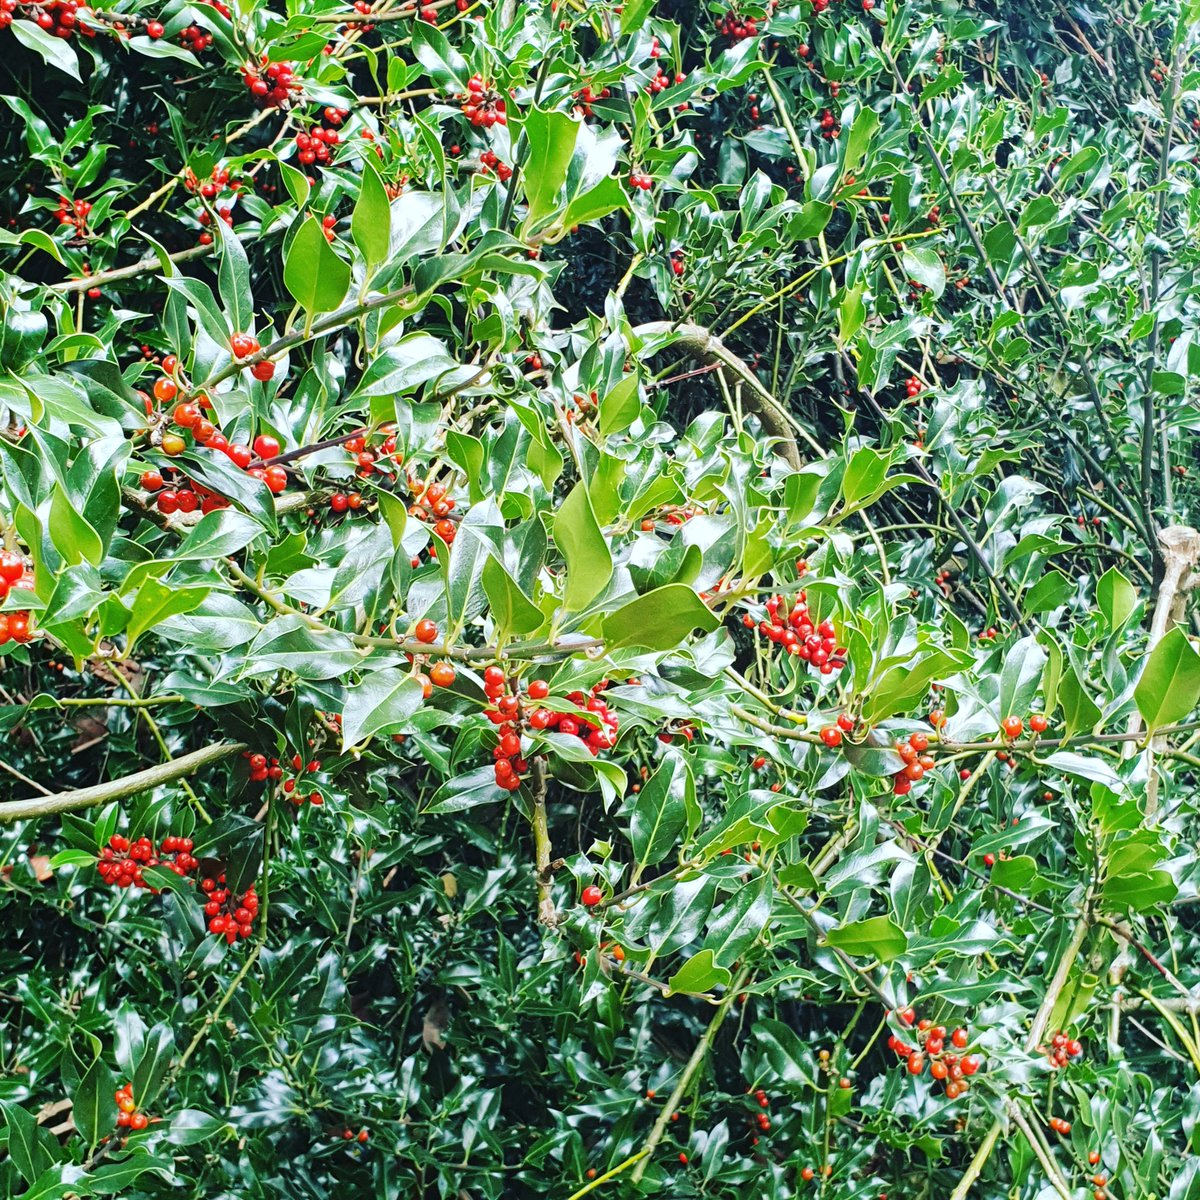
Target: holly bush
{"x": 596, "y": 599}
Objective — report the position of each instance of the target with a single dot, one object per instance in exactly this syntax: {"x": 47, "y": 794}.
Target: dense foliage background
{"x": 596, "y": 599}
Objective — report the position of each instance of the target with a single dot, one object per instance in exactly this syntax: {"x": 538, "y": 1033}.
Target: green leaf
{"x": 634, "y": 14}
{"x": 876, "y": 937}
{"x": 314, "y": 274}
{"x": 606, "y": 197}
{"x": 859, "y": 138}
{"x": 865, "y": 474}
{"x": 156, "y": 602}
{"x": 1116, "y": 597}
{"x": 851, "y": 314}
{"x": 620, "y": 406}
{"x": 1020, "y": 677}
{"x": 740, "y": 921}
{"x": 24, "y": 1150}
{"x": 551, "y": 143}
{"x": 445, "y": 66}
{"x": 659, "y": 812}
{"x": 233, "y": 280}
{"x": 381, "y": 700}
{"x": 812, "y": 218}
{"x": 1170, "y": 683}
{"x": 54, "y": 51}
{"x": 1050, "y": 592}
{"x": 660, "y": 620}
{"x": 923, "y": 264}
{"x": 189, "y": 1126}
{"x": 219, "y": 534}
{"x": 698, "y": 975}
{"x": 72, "y": 536}
{"x": 1015, "y": 873}
{"x": 371, "y": 221}
{"x": 72, "y": 858}
{"x": 581, "y": 543}
{"x": 115, "y": 1178}
{"x": 94, "y": 1110}
{"x": 512, "y": 611}
{"x": 1079, "y": 711}
{"x": 1139, "y": 892}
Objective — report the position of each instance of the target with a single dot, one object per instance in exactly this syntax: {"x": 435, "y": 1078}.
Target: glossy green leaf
{"x": 1170, "y": 681}
{"x": 875, "y": 937}
{"x": 659, "y": 620}
{"x": 312, "y": 271}
{"x": 583, "y": 546}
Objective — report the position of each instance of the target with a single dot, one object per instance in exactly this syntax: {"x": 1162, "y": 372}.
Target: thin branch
{"x": 119, "y": 789}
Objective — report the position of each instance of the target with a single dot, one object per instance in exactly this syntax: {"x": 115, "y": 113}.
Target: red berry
{"x": 266, "y": 446}
{"x": 262, "y": 371}
{"x": 426, "y": 631}
{"x": 591, "y": 896}
{"x": 1012, "y": 727}
{"x": 442, "y": 674}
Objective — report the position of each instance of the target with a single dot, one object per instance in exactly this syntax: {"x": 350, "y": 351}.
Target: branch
{"x": 685, "y": 1078}
{"x": 118, "y": 789}
{"x": 150, "y": 263}
{"x": 709, "y": 348}
{"x": 547, "y": 915}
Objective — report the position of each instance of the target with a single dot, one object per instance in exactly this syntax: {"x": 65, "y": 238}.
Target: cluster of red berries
{"x": 185, "y": 496}
{"x": 482, "y": 104}
{"x": 340, "y": 502}
{"x": 195, "y": 38}
{"x": 639, "y": 179}
{"x": 1013, "y": 727}
{"x": 1062, "y": 1049}
{"x": 364, "y": 7}
{"x": 663, "y": 80}
{"x": 828, "y": 124}
{"x": 914, "y": 387}
{"x": 761, "y": 1119}
{"x": 290, "y": 790}
{"x": 490, "y": 161}
{"x": 363, "y": 1135}
{"x": 75, "y": 213}
{"x": 242, "y": 345}
{"x": 916, "y": 762}
{"x": 792, "y": 627}
{"x": 211, "y": 187}
{"x": 59, "y": 18}
{"x": 946, "y": 1066}
{"x": 317, "y": 145}
{"x": 128, "y": 1116}
{"x": 14, "y": 626}
{"x": 262, "y": 768}
{"x": 189, "y": 415}
{"x": 1060, "y": 1126}
{"x": 367, "y": 460}
{"x": 121, "y": 862}
{"x": 587, "y": 96}
{"x": 272, "y": 83}
{"x": 735, "y": 27}
{"x": 232, "y": 917}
